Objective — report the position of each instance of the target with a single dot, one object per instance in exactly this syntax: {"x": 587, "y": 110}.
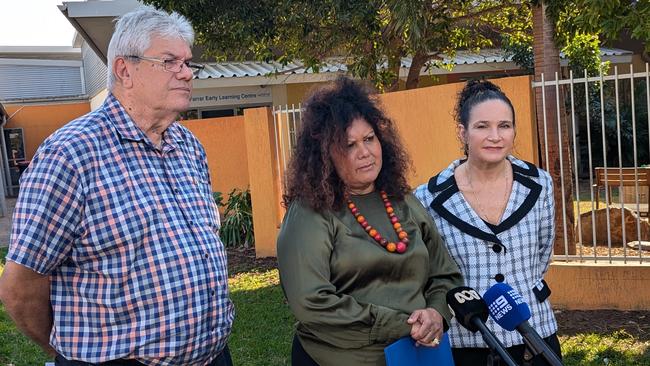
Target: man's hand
{"x": 426, "y": 327}
{"x": 26, "y": 297}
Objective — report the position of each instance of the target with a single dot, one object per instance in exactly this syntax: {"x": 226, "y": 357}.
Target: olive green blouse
{"x": 352, "y": 297}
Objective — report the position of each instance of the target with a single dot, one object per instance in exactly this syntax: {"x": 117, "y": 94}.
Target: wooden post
{"x": 260, "y": 150}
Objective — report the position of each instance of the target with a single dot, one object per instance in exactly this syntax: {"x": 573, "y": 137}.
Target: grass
{"x": 263, "y": 331}
{"x": 263, "y": 327}
{"x": 617, "y": 348}
{"x": 15, "y": 348}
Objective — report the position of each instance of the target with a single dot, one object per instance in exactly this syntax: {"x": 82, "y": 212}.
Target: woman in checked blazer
{"x": 495, "y": 214}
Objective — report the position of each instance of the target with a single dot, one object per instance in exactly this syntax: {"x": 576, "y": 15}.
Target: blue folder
{"x": 403, "y": 352}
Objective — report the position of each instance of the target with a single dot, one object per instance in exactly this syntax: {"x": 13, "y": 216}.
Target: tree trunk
{"x": 547, "y": 62}
{"x": 394, "y": 65}
{"x": 413, "y": 78}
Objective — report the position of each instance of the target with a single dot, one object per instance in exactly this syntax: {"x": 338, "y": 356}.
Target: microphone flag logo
{"x": 506, "y": 306}
{"x": 499, "y": 307}
{"x": 467, "y": 295}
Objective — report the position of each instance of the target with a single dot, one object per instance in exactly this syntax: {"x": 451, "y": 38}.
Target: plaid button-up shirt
{"x": 517, "y": 251}
{"x": 128, "y": 233}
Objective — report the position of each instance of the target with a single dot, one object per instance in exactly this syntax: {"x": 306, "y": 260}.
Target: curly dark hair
{"x": 476, "y": 92}
{"x": 329, "y": 111}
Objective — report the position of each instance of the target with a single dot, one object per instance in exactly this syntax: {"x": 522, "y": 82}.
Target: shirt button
{"x": 212, "y": 293}
{"x": 499, "y": 277}
{"x": 207, "y": 255}
{"x": 497, "y": 248}
{"x": 191, "y": 222}
{"x": 177, "y": 191}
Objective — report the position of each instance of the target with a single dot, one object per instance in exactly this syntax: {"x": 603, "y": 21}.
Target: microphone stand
{"x": 493, "y": 342}
{"x": 537, "y": 344}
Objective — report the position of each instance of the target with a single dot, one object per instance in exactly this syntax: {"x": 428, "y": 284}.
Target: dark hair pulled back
{"x": 474, "y": 93}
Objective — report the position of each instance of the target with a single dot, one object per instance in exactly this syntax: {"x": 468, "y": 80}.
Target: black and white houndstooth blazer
{"x": 517, "y": 251}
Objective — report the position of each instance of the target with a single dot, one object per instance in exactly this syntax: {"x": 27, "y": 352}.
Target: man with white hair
{"x": 115, "y": 257}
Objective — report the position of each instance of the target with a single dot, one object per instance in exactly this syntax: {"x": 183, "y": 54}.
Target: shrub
{"x": 237, "y": 224}
{"x": 218, "y": 198}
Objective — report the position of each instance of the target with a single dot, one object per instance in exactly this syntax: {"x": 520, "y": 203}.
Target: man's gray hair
{"x": 134, "y": 30}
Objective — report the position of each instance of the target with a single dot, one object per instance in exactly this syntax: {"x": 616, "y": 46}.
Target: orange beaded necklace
{"x": 399, "y": 247}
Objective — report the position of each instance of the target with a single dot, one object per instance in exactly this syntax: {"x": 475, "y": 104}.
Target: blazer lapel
{"x": 449, "y": 203}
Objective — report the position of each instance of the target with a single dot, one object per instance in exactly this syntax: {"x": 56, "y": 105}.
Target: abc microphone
{"x": 511, "y": 312}
{"x": 472, "y": 312}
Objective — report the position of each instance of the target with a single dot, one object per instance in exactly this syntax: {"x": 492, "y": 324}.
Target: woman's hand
{"x": 426, "y": 327}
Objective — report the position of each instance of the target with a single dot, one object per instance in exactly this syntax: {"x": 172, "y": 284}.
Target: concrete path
{"x": 5, "y": 223}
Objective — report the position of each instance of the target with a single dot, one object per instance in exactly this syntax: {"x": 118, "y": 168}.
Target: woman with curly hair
{"x": 361, "y": 262}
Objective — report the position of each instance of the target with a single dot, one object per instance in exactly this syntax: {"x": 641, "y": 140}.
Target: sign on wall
{"x": 230, "y": 96}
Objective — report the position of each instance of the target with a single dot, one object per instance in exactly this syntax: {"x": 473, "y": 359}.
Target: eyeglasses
{"x": 171, "y": 65}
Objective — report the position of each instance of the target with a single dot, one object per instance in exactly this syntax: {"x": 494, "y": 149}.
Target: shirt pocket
{"x": 120, "y": 218}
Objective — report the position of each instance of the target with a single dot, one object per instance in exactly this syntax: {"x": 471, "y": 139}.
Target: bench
{"x": 620, "y": 177}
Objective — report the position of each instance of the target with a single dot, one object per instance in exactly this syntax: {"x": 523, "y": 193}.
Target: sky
{"x": 34, "y": 23}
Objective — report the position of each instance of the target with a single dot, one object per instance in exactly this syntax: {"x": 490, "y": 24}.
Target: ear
{"x": 122, "y": 72}
{"x": 461, "y": 132}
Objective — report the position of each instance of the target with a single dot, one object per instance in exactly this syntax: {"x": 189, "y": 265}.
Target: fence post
{"x": 260, "y": 147}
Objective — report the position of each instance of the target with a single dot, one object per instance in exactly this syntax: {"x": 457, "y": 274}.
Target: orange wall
{"x": 39, "y": 121}
{"x": 225, "y": 144}
{"x": 426, "y": 123}
{"x": 587, "y": 286}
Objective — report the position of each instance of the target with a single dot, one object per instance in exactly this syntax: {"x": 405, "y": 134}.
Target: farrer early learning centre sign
{"x": 230, "y": 96}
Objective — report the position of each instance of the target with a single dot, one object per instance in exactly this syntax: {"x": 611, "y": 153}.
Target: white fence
{"x": 286, "y": 120}
{"x": 607, "y": 117}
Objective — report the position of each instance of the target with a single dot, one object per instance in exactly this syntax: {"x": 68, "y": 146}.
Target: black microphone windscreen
{"x": 466, "y": 304}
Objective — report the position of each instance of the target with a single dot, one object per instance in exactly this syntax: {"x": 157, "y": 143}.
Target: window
{"x": 214, "y": 113}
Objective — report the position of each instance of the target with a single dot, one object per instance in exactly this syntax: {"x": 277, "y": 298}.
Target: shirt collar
{"x": 128, "y": 130}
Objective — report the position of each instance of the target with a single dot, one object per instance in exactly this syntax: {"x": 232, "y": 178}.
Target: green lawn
{"x": 263, "y": 331}
{"x": 617, "y": 348}
{"x": 263, "y": 327}
{"x": 15, "y": 348}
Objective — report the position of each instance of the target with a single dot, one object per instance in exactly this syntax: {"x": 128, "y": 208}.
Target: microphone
{"x": 508, "y": 308}
{"x": 471, "y": 312}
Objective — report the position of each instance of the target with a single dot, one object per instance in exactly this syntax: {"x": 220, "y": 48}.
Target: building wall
{"x": 638, "y": 63}
{"x": 25, "y": 79}
{"x": 279, "y": 94}
{"x": 225, "y": 145}
{"x": 40, "y": 121}
{"x": 94, "y": 71}
{"x": 296, "y": 93}
{"x": 98, "y": 100}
